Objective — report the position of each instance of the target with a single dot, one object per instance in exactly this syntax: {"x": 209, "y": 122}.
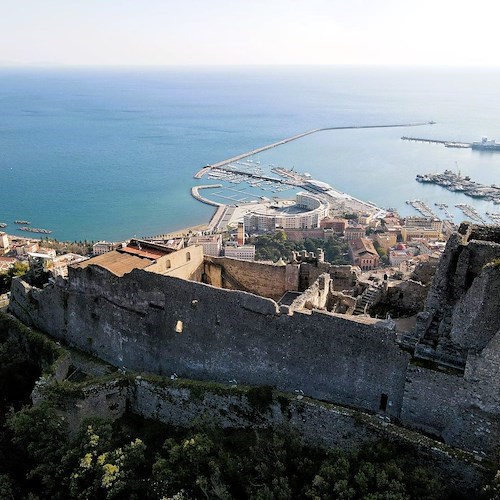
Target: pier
{"x": 421, "y": 207}
{"x": 234, "y": 159}
{"x": 471, "y": 212}
{"x": 235, "y": 170}
{"x": 455, "y": 182}
{"x": 195, "y": 192}
{"x": 448, "y": 144}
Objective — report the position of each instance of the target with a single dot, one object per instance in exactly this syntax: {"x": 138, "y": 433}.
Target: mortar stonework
{"x": 159, "y": 324}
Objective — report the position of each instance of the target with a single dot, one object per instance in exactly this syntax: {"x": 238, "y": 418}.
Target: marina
{"x": 444, "y": 208}
{"x": 422, "y": 207}
{"x": 471, "y": 213}
{"x": 455, "y": 182}
{"x": 494, "y": 216}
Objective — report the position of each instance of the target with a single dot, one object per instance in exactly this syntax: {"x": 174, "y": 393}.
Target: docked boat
{"x": 486, "y": 145}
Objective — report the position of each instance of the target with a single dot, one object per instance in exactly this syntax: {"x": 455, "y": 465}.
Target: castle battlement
{"x": 161, "y": 324}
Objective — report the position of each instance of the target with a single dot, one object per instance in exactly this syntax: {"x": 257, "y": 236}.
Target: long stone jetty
{"x": 205, "y": 169}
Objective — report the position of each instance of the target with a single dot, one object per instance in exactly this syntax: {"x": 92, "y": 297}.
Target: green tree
{"x": 41, "y": 435}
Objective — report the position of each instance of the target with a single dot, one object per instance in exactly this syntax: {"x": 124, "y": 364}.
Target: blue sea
{"x": 108, "y": 154}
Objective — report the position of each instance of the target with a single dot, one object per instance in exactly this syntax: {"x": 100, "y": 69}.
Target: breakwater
{"x": 447, "y": 144}
{"x": 234, "y": 159}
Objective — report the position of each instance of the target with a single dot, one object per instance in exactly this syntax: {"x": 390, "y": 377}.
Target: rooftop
{"x": 117, "y": 262}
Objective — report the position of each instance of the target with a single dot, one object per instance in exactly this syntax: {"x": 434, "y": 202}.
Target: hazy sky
{"x": 220, "y": 32}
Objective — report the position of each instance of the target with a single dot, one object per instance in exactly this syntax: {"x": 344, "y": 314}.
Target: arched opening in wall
{"x": 168, "y": 264}
{"x": 383, "y": 402}
{"x": 188, "y": 256}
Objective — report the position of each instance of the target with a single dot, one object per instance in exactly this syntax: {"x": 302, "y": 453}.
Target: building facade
{"x": 265, "y": 220}
{"x": 212, "y": 244}
{"x": 363, "y": 254}
{"x": 245, "y": 252}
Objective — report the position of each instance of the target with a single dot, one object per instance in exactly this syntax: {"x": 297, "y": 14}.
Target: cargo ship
{"x": 486, "y": 145}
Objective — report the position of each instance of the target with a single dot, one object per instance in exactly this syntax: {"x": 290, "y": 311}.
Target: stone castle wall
{"x": 187, "y": 404}
{"x": 266, "y": 280}
{"x": 131, "y": 322}
{"x": 159, "y": 324}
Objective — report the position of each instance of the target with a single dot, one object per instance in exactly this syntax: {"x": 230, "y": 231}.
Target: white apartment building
{"x": 212, "y": 244}
{"x": 245, "y": 252}
{"x": 265, "y": 220}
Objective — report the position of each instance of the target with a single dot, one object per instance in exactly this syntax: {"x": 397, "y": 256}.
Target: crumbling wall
{"x": 266, "y": 280}
{"x": 406, "y": 297}
{"x": 344, "y": 277}
{"x": 425, "y": 271}
{"x": 450, "y": 300}
{"x": 459, "y": 410}
{"x": 159, "y": 324}
{"x": 340, "y": 303}
{"x": 187, "y": 404}
{"x": 316, "y": 296}
{"x": 318, "y": 423}
{"x": 476, "y": 316}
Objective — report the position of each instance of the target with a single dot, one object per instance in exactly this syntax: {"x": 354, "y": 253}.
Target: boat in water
{"x": 486, "y": 145}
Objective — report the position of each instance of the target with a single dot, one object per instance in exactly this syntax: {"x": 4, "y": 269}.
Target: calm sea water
{"x": 108, "y": 154}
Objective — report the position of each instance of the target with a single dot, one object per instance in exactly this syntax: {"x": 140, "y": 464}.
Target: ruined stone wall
{"x": 266, "y": 280}
{"x": 407, "y": 296}
{"x": 463, "y": 299}
{"x": 159, "y": 324}
{"x": 186, "y": 404}
{"x": 316, "y": 296}
{"x": 318, "y": 423}
{"x": 476, "y": 316}
{"x": 131, "y": 322}
{"x": 460, "y": 410}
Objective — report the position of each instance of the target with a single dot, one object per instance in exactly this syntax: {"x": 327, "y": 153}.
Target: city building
{"x": 425, "y": 222}
{"x": 411, "y": 233}
{"x": 302, "y": 234}
{"x": 25, "y": 247}
{"x": 338, "y": 226}
{"x": 307, "y": 213}
{"x": 61, "y": 263}
{"x": 245, "y": 252}
{"x": 363, "y": 254}
{"x": 6, "y": 263}
{"x": 240, "y": 235}
{"x": 212, "y": 244}
{"x": 386, "y": 240}
{"x": 354, "y": 232}
{"x": 399, "y": 254}
{"x": 103, "y": 247}
{"x": 4, "y": 243}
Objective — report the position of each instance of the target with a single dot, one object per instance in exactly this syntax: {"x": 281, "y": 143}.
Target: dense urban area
{"x": 319, "y": 347}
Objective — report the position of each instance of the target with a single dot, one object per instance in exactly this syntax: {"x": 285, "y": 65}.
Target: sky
{"x": 249, "y": 32}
